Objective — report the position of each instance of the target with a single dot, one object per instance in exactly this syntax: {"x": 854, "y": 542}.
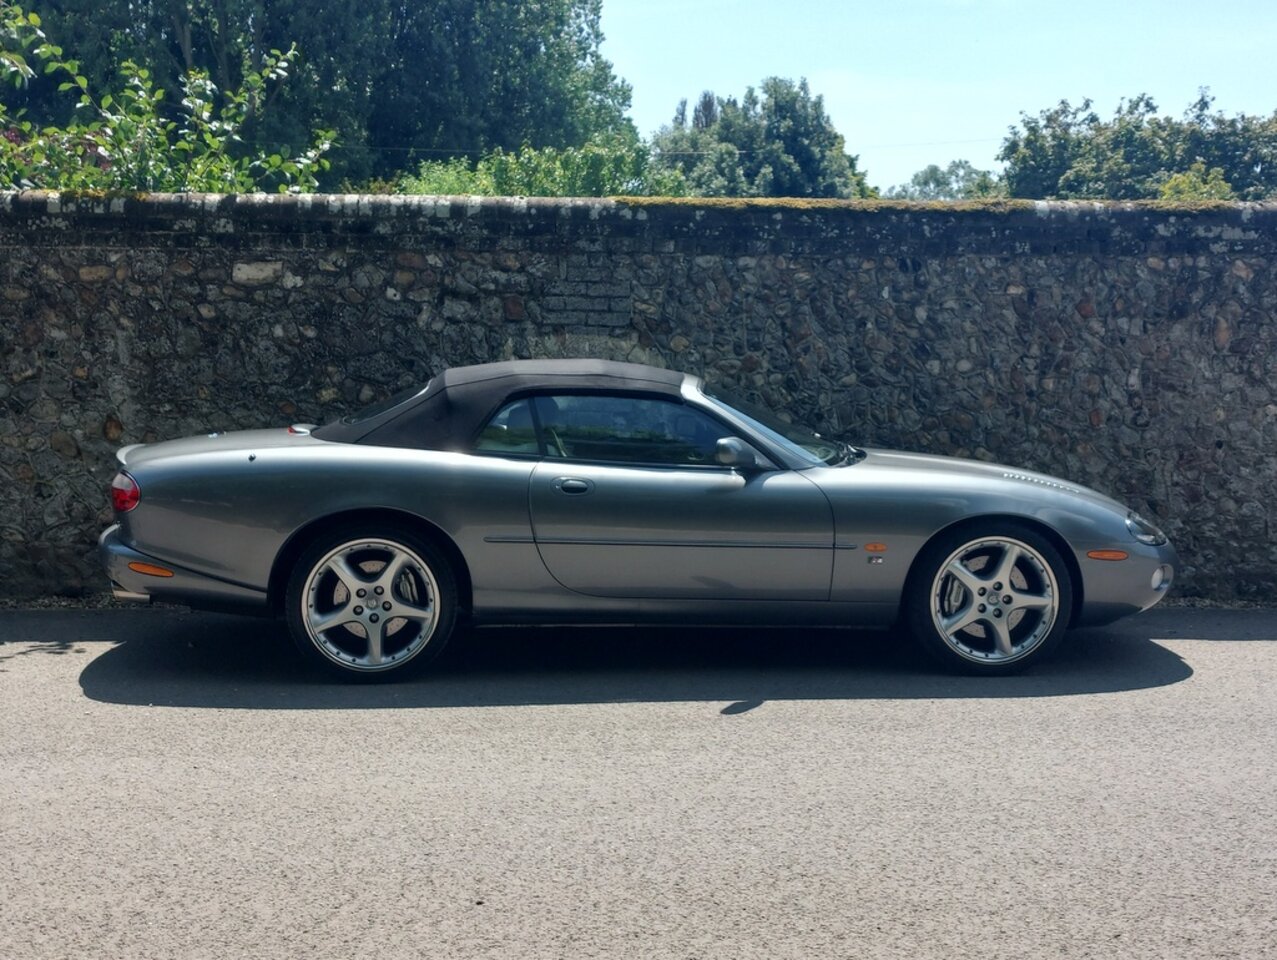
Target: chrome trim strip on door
{"x": 570, "y": 541}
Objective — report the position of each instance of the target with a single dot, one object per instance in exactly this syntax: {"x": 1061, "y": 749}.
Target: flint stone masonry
{"x": 1129, "y": 348}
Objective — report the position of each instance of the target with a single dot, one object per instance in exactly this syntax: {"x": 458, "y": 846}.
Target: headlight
{"x": 1143, "y": 531}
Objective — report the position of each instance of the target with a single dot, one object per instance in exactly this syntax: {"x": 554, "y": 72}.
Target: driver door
{"x": 628, "y": 501}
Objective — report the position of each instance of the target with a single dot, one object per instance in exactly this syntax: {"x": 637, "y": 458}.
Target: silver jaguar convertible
{"x": 590, "y": 491}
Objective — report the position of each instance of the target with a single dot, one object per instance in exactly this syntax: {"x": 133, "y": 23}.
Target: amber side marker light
{"x": 876, "y": 547}
{"x": 150, "y": 569}
{"x": 1107, "y": 554}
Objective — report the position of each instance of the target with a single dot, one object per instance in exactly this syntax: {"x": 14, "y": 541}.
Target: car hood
{"x": 933, "y": 467}
{"x": 246, "y": 440}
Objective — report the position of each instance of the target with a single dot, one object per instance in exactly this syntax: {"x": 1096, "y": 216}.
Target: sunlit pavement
{"x": 172, "y": 785}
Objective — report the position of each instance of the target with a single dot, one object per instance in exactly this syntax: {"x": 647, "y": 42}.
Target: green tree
{"x": 779, "y": 144}
{"x": 599, "y": 169}
{"x": 1040, "y": 152}
{"x": 1070, "y": 152}
{"x": 957, "y": 181}
{"x": 1243, "y": 147}
{"x": 1197, "y": 183}
{"x": 123, "y": 140}
{"x": 501, "y": 73}
{"x": 398, "y": 82}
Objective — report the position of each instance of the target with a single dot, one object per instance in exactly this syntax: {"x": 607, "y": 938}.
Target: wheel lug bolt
{"x": 983, "y": 591}
{"x": 374, "y": 618}
{"x": 997, "y": 586}
{"x": 982, "y": 608}
{"x": 386, "y": 605}
{"x": 358, "y": 610}
{"x": 997, "y": 613}
{"x": 1006, "y": 599}
{"x": 378, "y": 591}
{"x": 361, "y": 592}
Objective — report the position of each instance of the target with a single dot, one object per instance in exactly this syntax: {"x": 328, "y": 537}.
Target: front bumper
{"x": 1114, "y": 589}
{"x": 185, "y": 586}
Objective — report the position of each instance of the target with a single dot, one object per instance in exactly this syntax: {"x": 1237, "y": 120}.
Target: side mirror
{"x": 732, "y": 452}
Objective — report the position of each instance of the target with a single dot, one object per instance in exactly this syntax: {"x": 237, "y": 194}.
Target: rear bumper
{"x": 184, "y": 586}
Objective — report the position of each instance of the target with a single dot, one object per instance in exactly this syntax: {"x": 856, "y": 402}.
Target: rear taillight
{"x": 125, "y": 493}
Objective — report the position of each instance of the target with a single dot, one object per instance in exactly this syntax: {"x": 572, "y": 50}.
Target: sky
{"x": 914, "y": 82}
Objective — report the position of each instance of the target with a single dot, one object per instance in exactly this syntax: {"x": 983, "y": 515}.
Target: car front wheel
{"x": 371, "y": 604}
{"x": 990, "y": 601}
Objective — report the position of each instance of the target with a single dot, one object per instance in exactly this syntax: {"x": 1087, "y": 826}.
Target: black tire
{"x": 963, "y": 623}
{"x": 356, "y": 579}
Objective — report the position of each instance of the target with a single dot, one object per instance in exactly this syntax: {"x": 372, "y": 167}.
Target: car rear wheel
{"x": 371, "y": 603}
{"x": 989, "y": 601}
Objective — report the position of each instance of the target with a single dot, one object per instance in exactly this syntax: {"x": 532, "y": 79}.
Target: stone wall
{"x": 1125, "y": 347}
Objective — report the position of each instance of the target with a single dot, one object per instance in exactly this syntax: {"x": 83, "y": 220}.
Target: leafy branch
{"x": 126, "y": 141}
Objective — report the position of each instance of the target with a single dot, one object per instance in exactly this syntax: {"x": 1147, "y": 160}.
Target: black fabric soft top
{"x": 459, "y": 401}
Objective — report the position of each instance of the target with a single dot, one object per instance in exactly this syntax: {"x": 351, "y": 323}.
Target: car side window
{"x": 510, "y": 430}
{"x": 626, "y": 429}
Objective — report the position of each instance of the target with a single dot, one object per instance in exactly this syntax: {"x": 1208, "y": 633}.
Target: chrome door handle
{"x": 573, "y": 485}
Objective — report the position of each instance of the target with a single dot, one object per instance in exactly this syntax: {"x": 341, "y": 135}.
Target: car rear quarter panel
{"x": 228, "y": 513}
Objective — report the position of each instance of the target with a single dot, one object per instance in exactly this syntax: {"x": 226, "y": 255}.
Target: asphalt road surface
{"x": 171, "y": 786}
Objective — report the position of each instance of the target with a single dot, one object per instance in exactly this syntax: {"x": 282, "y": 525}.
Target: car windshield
{"x": 382, "y": 406}
{"x": 801, "y": 441}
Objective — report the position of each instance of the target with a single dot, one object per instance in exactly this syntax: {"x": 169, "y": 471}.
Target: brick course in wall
{"x": 1127, "y": 347}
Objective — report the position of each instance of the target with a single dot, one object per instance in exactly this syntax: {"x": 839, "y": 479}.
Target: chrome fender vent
{"x": 1040, "y": 481}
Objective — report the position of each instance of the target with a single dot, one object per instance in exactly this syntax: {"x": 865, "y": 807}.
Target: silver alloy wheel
{"x": 370, "y": 605}
{"x": 994, "y": 600}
